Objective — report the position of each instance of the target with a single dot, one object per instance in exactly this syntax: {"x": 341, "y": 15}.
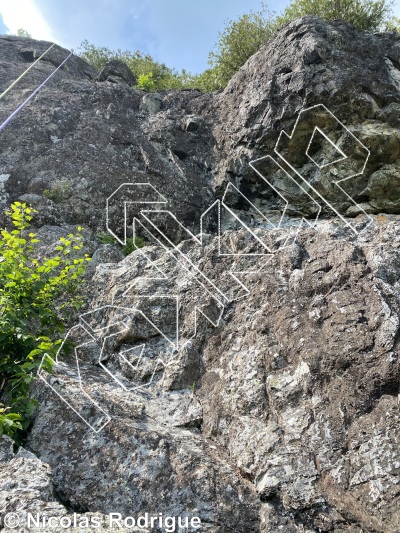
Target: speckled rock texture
{"x": 308, "y": 62}
{"x": 81, "y": 138}
{"x": 277, "y": 410}
{"x": 284, "y": 416}
{"x": 26, "y": 488}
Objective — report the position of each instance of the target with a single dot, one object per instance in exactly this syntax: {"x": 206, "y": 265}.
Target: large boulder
{"x": 283, "y": 413}
{"x": 117, "y": 71}
{"x": 308, "y": 62}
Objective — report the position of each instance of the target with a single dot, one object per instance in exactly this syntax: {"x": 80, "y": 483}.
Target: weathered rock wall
{"x": 283, "y": 415}
{"x": 81, "y": 138}
{"x": 308, "y": 62}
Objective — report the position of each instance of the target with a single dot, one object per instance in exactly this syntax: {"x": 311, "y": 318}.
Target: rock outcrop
{"x": 284, "y": 414}
{"x": 276, "y": 408}
{"x": 116, "y": 71}
{"x": 81, "y": 139}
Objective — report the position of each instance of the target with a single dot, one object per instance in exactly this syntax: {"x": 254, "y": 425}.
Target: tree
{"x": 239, "y": 40}
{"x": 207, "y": 81}
{"x": 364, "y": 14}
{"x": 23, "y": 33}
{"x": 393, "y": 24}
{"x": 242, "y": 38}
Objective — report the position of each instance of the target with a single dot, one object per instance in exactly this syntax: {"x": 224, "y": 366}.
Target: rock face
{"x": 26, "y": 487}
{"x": 354, "y": 74}
{"x": 117, "y": 72}
{"x": 284, "y": 414}
{"x": 81, "y": 139}
{"x": 248, "y": 376}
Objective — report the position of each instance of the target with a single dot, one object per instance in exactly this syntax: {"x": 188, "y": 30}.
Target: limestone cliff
{"x": 273, "y": 405}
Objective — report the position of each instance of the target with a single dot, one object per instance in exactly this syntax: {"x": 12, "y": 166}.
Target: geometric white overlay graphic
{"x": 231, "y": 286}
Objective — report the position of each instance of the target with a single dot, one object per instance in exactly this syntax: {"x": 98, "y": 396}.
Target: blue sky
{"x": 179, "y": 33}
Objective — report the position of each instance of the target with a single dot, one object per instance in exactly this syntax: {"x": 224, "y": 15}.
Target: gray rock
{"x": 280, "y": 411}
{"x": 6, "y": 448}
{"x": 116, "y": 71}
{"x": 191, "y": 123}
{"x": 287, "y": 409}
{"x": 24, "y": 51}
{"x": 93, "y": 137}
{"x": 27, "y": 494}
{"x": 26, "y": 454}
{"x": 83, "y": 139}
{"x": 151, "y": 102}
{"x": 382, "y": 190}
{"x": 310, "y": 62}
{"x": 106, "y": 253}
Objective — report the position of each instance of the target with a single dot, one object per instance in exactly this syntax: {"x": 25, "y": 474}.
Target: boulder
{"x": 308, "y": 62}
{"x": 283, "y": 412}
{"x": 117, "y": 71}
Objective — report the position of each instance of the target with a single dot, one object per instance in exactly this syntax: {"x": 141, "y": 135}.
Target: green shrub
{"x": 370, "y": 15}
{"x": 106, "y": 238}
{"x": 151, "y": 75}
{"x": 58, "y": 193}
{"x": 143, "y": 66}
{"x": 146, "y": 82}
{"x": 23, "y": 33}
{"x": 132, "y": 245}
{"x": 10, "y": 423}
{"x": 393, "y": 24}
{"x": 239, "y": 40}
{"x": 36, "y": 295}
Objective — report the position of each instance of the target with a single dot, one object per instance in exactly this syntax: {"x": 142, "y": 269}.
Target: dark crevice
{"x": 395, "y": 63}
{"x": 180, "y": 154}
{"x": 65, "y": 502}
{"x": 28, "y": 55}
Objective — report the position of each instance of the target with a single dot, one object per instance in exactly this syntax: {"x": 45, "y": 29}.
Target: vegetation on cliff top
{"x": 240, "y": 39}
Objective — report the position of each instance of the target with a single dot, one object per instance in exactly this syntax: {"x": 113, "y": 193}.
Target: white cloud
{"x": 24, "y": 14}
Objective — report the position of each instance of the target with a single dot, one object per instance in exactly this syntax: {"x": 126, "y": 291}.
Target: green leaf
{"x": 30, "y": 314}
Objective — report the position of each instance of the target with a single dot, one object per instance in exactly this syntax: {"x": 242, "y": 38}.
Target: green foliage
{"x": 207, "y": 81}
{"x": 155, "y": 76}
{"x": 23, "y": 33}
{"x": 146, "y": 82}
{"x": 364, "y": 14}
{"x": 58, "y": 193}
{"x": 239, "y": 40}
{"x": 151, "y": 75}
{"x": 10, "y": 423}
{"x": 130, "y": 246}
{"x": 35, "y": 296}
{"x": 393, "y": 24}
{"x": 106, "y": 238}
{"x": 243, "y": 37}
